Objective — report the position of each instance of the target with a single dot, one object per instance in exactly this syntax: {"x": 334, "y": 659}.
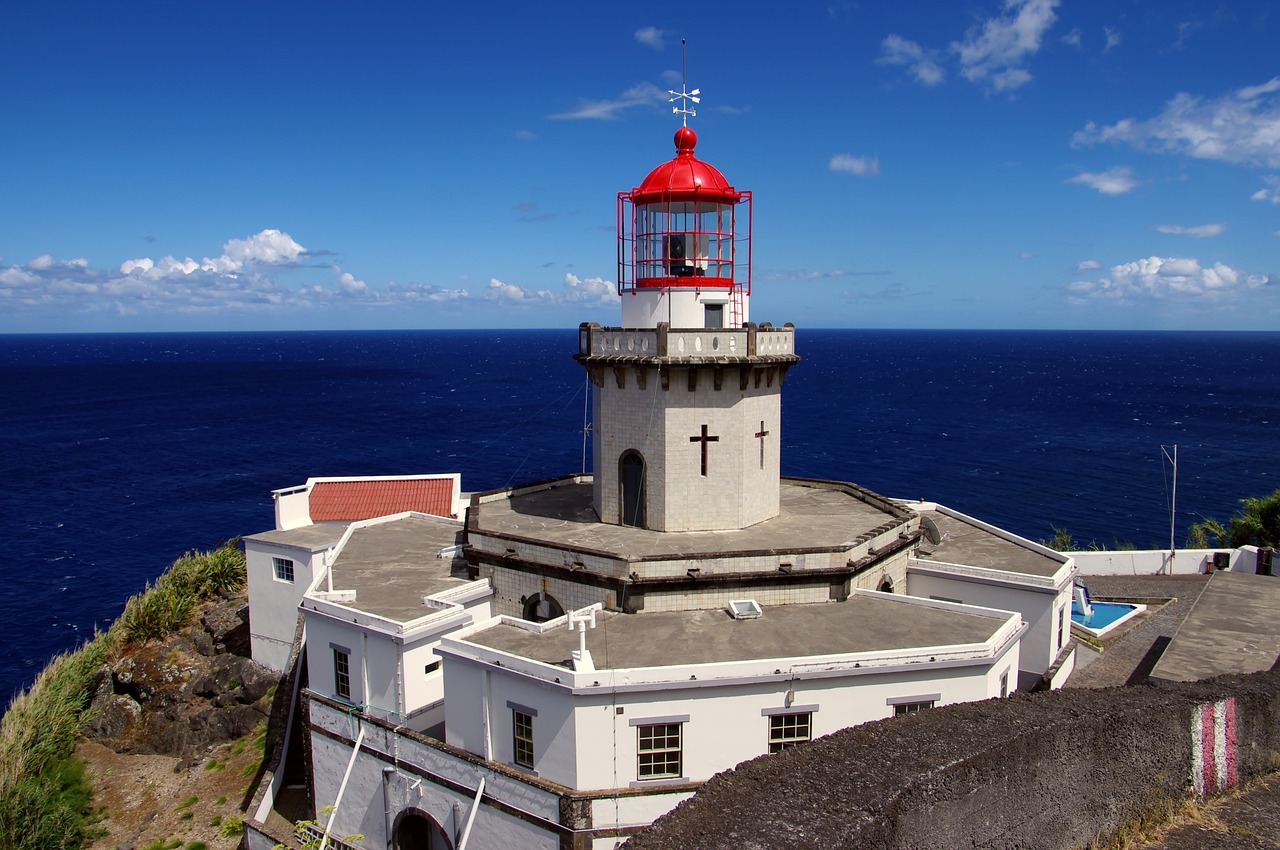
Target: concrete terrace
{"x": 864, "y": 623}
{"x": 812, "y": 517}
{"x": 313, "y": 538}
{"x": 392, "y": 565}
{"x": 972, "y": 545}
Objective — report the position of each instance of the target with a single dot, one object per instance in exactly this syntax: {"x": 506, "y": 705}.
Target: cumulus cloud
{"x": 1087, "y": 266}
{"x": 993, "y": 53}
{"x": 641, "y": 94}
{"x": 861, "y": 166}
{"x": 591, "y": 290}
{"x": 262, "y": 272}
{"x": 1163, "y": 278}
{"x": 923, "y": 64}
{"x": 651, "y": 37}
{"x": 1199, "y": 231}
{"x": 1113, "y": 181}
{"x": 1242, "y": 128}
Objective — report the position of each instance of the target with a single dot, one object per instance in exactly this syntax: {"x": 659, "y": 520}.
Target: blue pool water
{"x": 1104, "y": 614}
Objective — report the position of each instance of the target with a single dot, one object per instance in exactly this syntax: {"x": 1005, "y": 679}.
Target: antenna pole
{"x": 1173, "y": 503}
{"x": 684, "y": 96}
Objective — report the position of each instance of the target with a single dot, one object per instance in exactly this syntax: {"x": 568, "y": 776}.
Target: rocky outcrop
{"x": 195, "y": 690}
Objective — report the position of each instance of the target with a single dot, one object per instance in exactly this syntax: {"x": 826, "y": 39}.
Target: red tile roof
{"x": 356, "y": 500}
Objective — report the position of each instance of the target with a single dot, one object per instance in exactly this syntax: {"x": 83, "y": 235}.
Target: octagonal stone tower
{"x": 688, "y": 393}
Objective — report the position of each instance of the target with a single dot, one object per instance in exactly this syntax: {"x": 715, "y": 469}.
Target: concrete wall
{"x": 1040, "y": 610}
{"x": 1048, "y": 770}
{"x": 274, "y": 603}
{"x": 589, "y": 741}
{"x": 1152, "y": 562}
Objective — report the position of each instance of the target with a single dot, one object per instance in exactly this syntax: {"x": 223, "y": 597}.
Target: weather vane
{"x": 684, "y": 96}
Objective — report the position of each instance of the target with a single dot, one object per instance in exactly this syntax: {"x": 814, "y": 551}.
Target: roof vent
{"x": 745, "y": 609}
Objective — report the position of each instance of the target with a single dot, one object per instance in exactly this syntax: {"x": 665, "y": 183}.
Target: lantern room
{"x": 684, "y": 245}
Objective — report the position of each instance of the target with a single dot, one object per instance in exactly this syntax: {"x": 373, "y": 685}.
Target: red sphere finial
{"x": 685, "y": 140}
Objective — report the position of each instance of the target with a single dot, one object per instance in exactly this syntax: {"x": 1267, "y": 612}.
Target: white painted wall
{"x": 273, "y": 604}
{"x": 1150, "y": 562}
{"x": 1040, "y": 610}
{"x": 645, "y": 308}
{"x": 582, "y": 740}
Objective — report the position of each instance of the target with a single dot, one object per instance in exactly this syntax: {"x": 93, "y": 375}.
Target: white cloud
{"x": 1242, "y": 128}
{"x": 861, "y": 166}
{"x": 1027, "y": 255}
{"x": 1087, "y": 266}
{"x": 1166, "y": 278}
{"x": 993, "y": 53}
{"x": 1112, "y": 37}
{"x": 1270, "y": 192}
{"x": 517, "y": 294}
{"x": 641, "y": 94}
{"x": 924, "y": 64}
{"x": 350, "y": 285}
{"x": 1074, "y": 38}
{"x": 1113, "y": 181}
{"x": 651, "y": 37}
{"x": 592, "y": 290}
{"x": 1199, "y": 231}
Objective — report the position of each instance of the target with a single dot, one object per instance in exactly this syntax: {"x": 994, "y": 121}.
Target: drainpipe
{"x": 484, "y": 715}
{"x": 387, "y": 773}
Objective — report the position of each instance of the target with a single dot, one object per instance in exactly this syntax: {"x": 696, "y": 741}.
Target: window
{"x": 715, "y": 315}
{"x": 522, "y": 737}
{"x": 788, "y": 730}
{"x": 911, "y": 707}
{"x": 659, "y": 750}
{"x": 431, "y": 668}
{"x": 284, "y": 569}
{"x": 1062, "y": 623}
{"x": 342, "y": 673}
{"x": 1004, "y": 684}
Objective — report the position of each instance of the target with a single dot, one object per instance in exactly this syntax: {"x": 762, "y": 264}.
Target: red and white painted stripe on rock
{"x": 1213, "y": 746}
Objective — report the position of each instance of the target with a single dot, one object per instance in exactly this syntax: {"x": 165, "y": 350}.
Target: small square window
{"x": 714, "y": 315}
{"x": 283, "y": 568}
{"x": 431, "y": 668}
{"x": 659, "y": 751}
{"x": 789, "y": 730}
{"x": 342, "y": 674}
{"x": 522, "y": 737}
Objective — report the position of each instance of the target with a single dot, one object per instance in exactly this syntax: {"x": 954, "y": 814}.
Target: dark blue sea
{"x": 119, "y": 452}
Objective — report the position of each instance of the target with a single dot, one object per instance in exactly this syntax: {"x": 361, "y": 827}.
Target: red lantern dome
{"x": 680, "y": 228}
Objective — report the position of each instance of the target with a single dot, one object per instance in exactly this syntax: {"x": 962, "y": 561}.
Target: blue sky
{"x": 1019, "y": 164}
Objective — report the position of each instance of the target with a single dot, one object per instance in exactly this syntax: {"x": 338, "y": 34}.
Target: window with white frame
{"x": 522, "y": 737}
{"x": 659, "y": 748}
{"x": 342, "y": 672}
{"x": 1062, "y": 626}
{"x": 789, "y": 730}
{"x": 283, "y": 568}
{"x": 1004, "y": 684}
{"x": 912, "y": 704}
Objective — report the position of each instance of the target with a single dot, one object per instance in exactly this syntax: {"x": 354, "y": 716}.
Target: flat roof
{"x": 392, "y": 565}
{"x": 563, "y": 515}
{"x": 1231, "y": 629}
{"x": 974, "y": 546}
{"x": 318, "y": 536}
{"x": 863, "y": 623}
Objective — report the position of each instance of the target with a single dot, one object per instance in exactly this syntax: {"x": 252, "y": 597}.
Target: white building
{"x": 723, "y": 611}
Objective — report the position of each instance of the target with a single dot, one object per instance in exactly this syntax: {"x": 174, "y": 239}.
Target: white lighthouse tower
{"x": 687, "y": 408}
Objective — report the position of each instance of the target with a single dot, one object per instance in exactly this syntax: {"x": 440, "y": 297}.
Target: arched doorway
{"x": 631, "y": 480}
{"x": 417, "y": 830}
{"x": 886, "y": 586}
{"x": 541, "y": 607}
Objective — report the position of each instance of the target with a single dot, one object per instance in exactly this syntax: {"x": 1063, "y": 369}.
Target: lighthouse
{"x": 687, "y": 390}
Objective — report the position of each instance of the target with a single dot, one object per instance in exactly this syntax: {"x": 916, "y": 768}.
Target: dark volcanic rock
{"x": 187, "y": 694}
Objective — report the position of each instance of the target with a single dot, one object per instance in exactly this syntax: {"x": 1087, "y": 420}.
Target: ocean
{"x": 121, "y": 451}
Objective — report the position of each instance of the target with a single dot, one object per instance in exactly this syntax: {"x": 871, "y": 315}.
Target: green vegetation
{"x": 189, "y": 802}
{"x": 45, "y": 798}
{"x": 163, "y": 844}
{"x": 231, "y": 826}
{"x": 1257, "y": 524}
{"x": 1064, "y": 541}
